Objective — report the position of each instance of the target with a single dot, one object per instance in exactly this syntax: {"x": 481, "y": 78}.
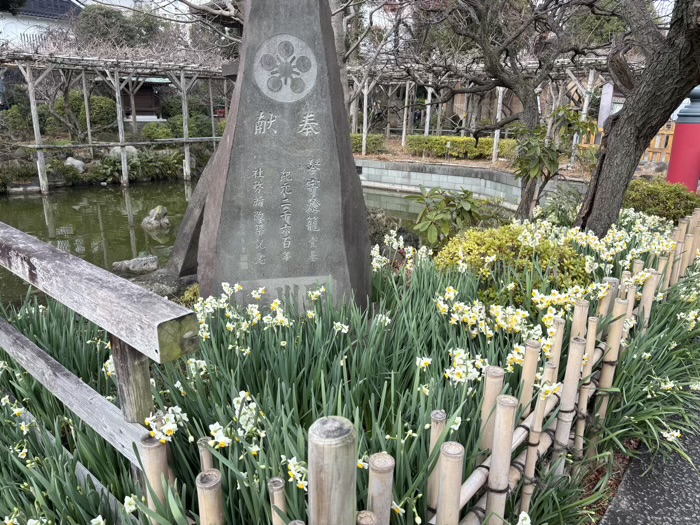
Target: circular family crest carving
{"x": 285, "y": 68}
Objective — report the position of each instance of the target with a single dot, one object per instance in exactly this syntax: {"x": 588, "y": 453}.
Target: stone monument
{"x": 284, "y": 207}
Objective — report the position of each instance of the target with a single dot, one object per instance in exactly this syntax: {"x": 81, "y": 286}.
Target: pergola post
{"x": 31, "y": 91}
{"x": 211, "y": 114}
{"x": 86, "y": 101}
{"x": 499, "y": 116}
{"x": 118, "y": 85}
{"x": 185, "y": 125}
{"x": 353, "y": 115}
{"x": 365, "y": 117}
{"x": 428, "y": 109}
{"x": 406, "y": 100}
{"x": 584, "y": 111}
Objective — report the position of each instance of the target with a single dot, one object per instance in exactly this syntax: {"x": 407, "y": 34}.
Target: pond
{"x": 103, "y": 224}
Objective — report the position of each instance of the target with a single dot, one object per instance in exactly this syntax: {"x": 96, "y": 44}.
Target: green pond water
{"x": 103, "y": 224}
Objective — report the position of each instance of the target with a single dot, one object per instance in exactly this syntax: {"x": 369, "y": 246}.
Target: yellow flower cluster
{"x": 464, "y": 368}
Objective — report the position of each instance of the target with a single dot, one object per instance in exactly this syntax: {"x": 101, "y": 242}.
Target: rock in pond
{"x": 77, "y": 164}
{"x": 138, "y": 266}
{"x": 157, "y": 219}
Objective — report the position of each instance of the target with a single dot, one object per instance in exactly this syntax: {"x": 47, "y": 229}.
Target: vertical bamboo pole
{"x": 381, "y": 480}
{"x": 86, "y": 102}
{"x": 662, "y": 268}
{"x": 622, "y": 291}
{"x": 696, "y": 242}
{"x": 404, "y": 128}
{"x": 677, "y": 261}
{"x": 578, "y": 324}
{"x": 605, "y": 302}
{"x": 493, "y": 385}
{"x": 533, "y": 443}
{"x": 584, "y": 393}
{"x": 211, "y": 498}
{"x": 610, "y": 357}
{"x": 278, "y": 501}
{"x": 682, "y": 228}
{"x": 689, "y": 242}
{"x": 206, "y": 459}
{"x": 567, "y": 405}
{"x": 365, "y": 116}
{"x": 631, "y": 300}
{"x": 532, "y": 358}
{"x": 637, "y": 266}
{"x": 184, "y": 88}
{"x": 40, "y": 157}
{"x": 451, "y": 465}
{"x": 499, "y": 116}
{"x": 296, "y": 522}
{"x": 497, "y": 485}
{"x": 648, "y": 294}
{"x": 332, "y": 472}
{"x": 366, "y": 517}
{"x": 154, "y": 456}
{"x": 555, "y": 356}
{"x": 438, "y": 418}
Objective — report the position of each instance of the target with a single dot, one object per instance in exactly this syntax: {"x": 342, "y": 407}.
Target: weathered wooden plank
{"x": 156, "y": 327}
{"x": 133, "y": 380}
{"x": 101, "y": 415}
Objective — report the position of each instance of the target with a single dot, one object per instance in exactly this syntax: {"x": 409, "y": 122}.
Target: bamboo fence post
{"x": 685, "y": 261}
{"x": 206, "y": 459}
{"x": 532, "y": 358}
{"x": 154, "y": 456}
{"x": 677, "y": 234}
{"x": 585, "y": 391}
{"x": 332, "y": 472}
{"x": 555, "y": 355}
{"x": 631, "y": 301}
{"x": 607, "y": 371}
{"x": 637, "y": 267}
{"x": 211, "y": 499}
{"x": 296, "y": 522}
{"x": 533, "y": 443}
{"x": 682, "y": 228}
{"x": 696, "y": 242}
{"x": 278, "y": 501}
{"x": 366, "y": 517}
{"x": 605, "y": 302}
{"x": 648, "y": 294}
{"x": 381, "y": 481}
{"x": 578, "y": 324}
{"x": 662, "y": 268}
{"x": 549, "y": 375}
{"x": 497, "y": 486}
{"x": 677, "y": 260}
{"x": 438, "y": 418}
{"x": 622, "y": 291}
{"x": 492, "y": 389}
{"x": 567, "y": 405}
{"x": 451, "y": 464}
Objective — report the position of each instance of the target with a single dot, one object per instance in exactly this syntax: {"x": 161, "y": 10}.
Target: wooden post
{"x": 31, "y": 92}
{"x": 206, "y": 459}
{"x": 184, "y": 88}
{"x": 381, "y": 481}
{"x": 117, "y": 84}
{"x": 578, "y": 324}
{"x": 533, "y": 443}
{"x": 605, "y": 302}
{"x": 662, "y": 268}
{"x": 677, "y": 260}
{"x": 499, "y": 116}
{"x": 278, "y": 502}
{"x": 637, "y": 267}
{"x": 500, "y": 461}
{"x": 555, "y": 356}
{"x": 404, "y": 129}
{"x": 688, "y": 243}
{"x": 154, "y": 456}
{"x": 365, "y": 116}
{"x": 586, "y": 389}
{"x": 366, "y": 517}
{"x": 438, "y": 115}
{"x": 493, "y": 385}
{"x": 648, "y": 294}
{"x": 353, "y": 114}
{"x": 567, "y": 406}
{"x": 332, "y": 472}
{"x": 211, "y": 499}
{"x": 86, "y": 102}
{"x": 451, "y": 464}
{"x": 682, "y": 228}
{"x": 133, "y": 381}
{"x": 696, "y": 242}
{"x": 211, "y": 113}
{"x": 438, "y": 418}
{"x": 622, "y": 291}
{"x": 532, "y": 358}
{"x": 428, "y": 110}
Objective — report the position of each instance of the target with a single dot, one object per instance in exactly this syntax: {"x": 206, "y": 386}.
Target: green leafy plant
{"x": 562, "y": 205}
{"x": 444, "y": 213}
{"x": 199, "y": 125}
{"x": 658, "y": 197}
{"x": 458, "y": 147}
{"x": 375, "y": 143}
{"x": 156, "y": 130}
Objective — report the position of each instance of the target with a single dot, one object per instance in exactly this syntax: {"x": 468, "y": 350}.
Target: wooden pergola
{"x": 122, "y": 76}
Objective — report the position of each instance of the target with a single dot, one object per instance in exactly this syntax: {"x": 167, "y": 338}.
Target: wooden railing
{"x": 659, "y": 149}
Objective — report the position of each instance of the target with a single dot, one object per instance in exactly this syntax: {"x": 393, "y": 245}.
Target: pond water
{"x": 103, "y": 224}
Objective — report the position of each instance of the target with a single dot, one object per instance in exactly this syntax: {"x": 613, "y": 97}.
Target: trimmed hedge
{"x": 658, "y": 197}
{"x": 375, "y": 143}
{"x": 460, "y": 147}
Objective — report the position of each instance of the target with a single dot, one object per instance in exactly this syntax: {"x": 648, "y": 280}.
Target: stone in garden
{"x": 79, "y": 165}
{"x": 130, "y": 151}
{"x": 284, "y": 206}
{"x": 157, "y": 219}
{"x": 138, "y": 266}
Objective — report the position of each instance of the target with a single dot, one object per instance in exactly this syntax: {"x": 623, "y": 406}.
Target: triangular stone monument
{"x": 284, "y": 206}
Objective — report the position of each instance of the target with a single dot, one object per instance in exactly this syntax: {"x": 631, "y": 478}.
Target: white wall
{"x": 11, "y": 27}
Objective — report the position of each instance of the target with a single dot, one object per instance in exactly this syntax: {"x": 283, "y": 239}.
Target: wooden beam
{"x": 98, "y": 413}
{"x": 31, "y": 92}
{"x": 86, "y": 101}
{"x": 156, "y": 327}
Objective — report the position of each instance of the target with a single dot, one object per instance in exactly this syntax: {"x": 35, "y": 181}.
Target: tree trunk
{"x": 668, "y": 78}
{"x": 530, "y": 119}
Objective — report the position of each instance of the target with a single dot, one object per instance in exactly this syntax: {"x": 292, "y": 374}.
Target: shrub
{"x": 103, "y": 110}
{"x": 57, "y": 169}
{"x": 375, "y": 143}
{"x": 199, "y": 125}
{"x": 156, "y": 130}
{"x": 144, "y": 166}
{"x": 220, "y": 128}
{"x": 190, "y": 297}
{"x": 4, "y": 182}
{"x": 658, "y": 197}
{"x": 492, "y": 251}
{"x": 459, "y": 147}
{"x": 15, "y": 120}
{"x": 22, "y": 174}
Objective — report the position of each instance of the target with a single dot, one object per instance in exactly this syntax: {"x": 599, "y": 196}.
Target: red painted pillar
{"x": 684, "y": 166}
